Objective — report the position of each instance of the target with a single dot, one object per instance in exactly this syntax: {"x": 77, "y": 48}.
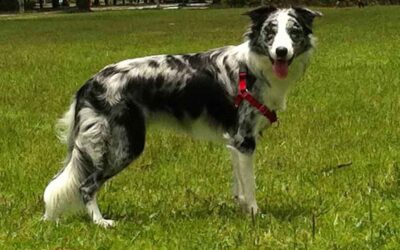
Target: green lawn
{"x": 177, "y": 195}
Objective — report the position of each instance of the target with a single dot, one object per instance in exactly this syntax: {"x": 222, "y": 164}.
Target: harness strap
{"x": 244, "y": 94}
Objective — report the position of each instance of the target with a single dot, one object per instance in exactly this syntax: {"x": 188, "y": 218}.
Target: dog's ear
{"x": 306, "y": 16}
{"x": 259, "y": 15}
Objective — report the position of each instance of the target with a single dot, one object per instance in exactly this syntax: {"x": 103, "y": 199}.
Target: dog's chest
{"x": 275, "y": 94}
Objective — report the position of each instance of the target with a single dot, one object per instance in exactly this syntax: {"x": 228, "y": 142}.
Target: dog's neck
{"x": 274, "y": 91}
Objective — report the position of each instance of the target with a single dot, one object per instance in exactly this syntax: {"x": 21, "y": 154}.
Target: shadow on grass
{"x": 162, "y": 211}
{"x": 287, "y": 212}
{"x": 204, "y": 209}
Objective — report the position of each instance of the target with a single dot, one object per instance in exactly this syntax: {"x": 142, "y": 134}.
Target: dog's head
{"x": 281, "y": 34}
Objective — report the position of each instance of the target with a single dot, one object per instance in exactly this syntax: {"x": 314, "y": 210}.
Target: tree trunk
{"x": 83, "y": 5}
{"x": 21, "y": 6}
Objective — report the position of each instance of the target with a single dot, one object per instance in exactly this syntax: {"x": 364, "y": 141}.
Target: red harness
{"x": 244, "y": 94}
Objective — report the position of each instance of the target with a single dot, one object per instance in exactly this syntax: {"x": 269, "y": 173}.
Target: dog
{"x": 199, "y": 93}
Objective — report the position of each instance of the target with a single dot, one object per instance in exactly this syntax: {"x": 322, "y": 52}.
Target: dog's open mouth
{"x": 280, "y": 67}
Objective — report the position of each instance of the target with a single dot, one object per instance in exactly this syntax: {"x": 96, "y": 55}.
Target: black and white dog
{"x": 106, "y": 123}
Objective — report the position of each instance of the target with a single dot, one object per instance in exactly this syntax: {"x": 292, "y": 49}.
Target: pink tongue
{"x": 280, "y": 68}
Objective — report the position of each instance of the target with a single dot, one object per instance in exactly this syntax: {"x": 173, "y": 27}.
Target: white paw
{"x": 105, "y": 223}
{"x": 46, "y": 217}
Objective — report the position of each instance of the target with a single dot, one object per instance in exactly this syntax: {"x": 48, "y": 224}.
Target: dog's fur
{"x": 106, "y": 123}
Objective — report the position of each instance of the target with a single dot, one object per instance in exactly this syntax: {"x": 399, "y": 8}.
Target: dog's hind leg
{"x": 87, "y": 135}
{"x": 125, "y": 143}
{"x": 88, "y": 190}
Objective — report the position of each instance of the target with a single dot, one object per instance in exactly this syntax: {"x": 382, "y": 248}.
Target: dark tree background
{"x": 13, "y": 5}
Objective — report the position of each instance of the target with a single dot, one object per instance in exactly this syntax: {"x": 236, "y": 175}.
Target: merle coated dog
{"x": 106, "y": 123}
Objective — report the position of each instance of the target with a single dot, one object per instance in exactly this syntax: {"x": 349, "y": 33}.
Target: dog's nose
{"x": 281, "y": 51}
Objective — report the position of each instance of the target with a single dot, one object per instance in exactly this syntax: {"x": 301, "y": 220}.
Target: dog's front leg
{"x": 247, "y": 179}
{"x": 237, "y": 189}
{"x": 243, "y": 172}
{"x": 243, "y": 144}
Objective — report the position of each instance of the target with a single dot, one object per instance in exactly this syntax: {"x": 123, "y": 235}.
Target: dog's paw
{"x": 47, "y": 217}
{"x": 105, "y": 223}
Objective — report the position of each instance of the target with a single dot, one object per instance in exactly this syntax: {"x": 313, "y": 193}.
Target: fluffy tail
{"x": 62, "y": 193}
{"x": 66, "y": 124}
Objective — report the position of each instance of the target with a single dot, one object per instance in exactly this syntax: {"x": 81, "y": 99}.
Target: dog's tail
{"x": 62, "y": 193}
{"x": 65, "y": 125}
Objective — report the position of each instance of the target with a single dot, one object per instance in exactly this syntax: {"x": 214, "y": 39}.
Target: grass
{"x": 177, "y": 195}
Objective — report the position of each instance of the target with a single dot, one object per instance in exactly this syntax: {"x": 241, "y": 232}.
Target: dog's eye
{"x": 296, "y": 34}
{"x": 270, "y": 36}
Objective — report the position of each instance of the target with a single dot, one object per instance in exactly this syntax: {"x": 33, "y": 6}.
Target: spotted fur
{"x": 106, "y": 123}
